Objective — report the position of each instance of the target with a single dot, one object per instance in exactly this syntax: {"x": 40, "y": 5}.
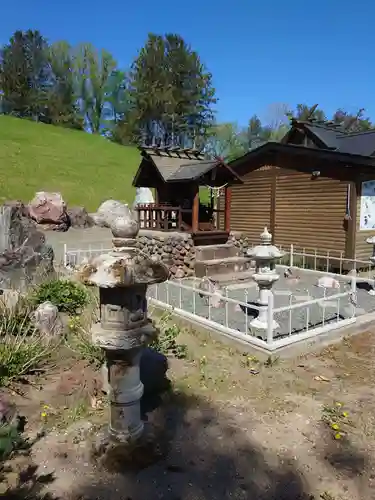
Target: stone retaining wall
{"x": 177, "y": 251}
{"x": 240, "y": 240}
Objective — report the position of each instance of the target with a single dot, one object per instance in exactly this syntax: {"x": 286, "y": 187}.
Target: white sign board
{"x": 367, "y": 216}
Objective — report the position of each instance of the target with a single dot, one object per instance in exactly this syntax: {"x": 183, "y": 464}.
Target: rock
{"x": 328, "y": 282}
{"x": 79, "y": 217}
{"x": 109, "y": 211}
{"x": 47, "y": 320}
{"x": 49, "y": 208}
{"x": 26, "y": 257}
{"x": 179, "y": 273}
{"x": 214, "y": 300}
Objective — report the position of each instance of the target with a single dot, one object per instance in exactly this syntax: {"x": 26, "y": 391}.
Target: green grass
{"x": 85, "y": 169}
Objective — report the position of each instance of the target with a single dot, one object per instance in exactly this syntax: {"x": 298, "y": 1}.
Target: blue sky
{"x": 260, "y": 53}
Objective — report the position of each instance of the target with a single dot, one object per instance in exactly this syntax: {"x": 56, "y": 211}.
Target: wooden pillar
{"x": 195, "y": 213}
{"x": 228, "y": 200}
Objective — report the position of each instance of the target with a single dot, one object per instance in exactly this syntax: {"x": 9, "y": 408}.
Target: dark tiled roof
{"x": 192, "y": 171}
{"x": 178, "y": 164}
{"x": 359, "y": 143}
{"x": 362, "y": 143}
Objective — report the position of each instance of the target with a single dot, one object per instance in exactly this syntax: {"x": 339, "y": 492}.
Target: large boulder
{"x": 78, "y": 217}
{"x": 109, "y": 211}
{"x": 26, "y": 256}
{"x": 50, "y": 209}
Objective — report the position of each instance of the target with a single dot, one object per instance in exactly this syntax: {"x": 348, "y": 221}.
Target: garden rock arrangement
{"x": 50, "y": 210}
{"x": 27, "y": 257}
{"x": 175, "y": 250}
{"x": 109, "y": 211}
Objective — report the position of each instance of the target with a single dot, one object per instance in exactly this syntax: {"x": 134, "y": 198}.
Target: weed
{"x": 79, "y": 341}
{"x": 271, "y": 361}
{"x": 249, "y": 361}
{"x": 337, "y": 420}
{"x": 22, "y": 348}
{"x": 166, "y": 340}
{"x": 10, "y": 440}
{"x": 66, "y": 295}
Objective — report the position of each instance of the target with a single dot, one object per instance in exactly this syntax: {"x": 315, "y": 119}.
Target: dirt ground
{"x": 233, "y": 427}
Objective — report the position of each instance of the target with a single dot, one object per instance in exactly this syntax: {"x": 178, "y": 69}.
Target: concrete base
{"x": 262, "y": 325}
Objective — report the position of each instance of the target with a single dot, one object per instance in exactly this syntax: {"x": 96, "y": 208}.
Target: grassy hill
{"x": 85, "y": 169}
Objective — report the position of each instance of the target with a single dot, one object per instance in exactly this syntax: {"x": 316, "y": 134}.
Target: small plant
{"x": 22, "y": 350}
{"x": 166, "y": 340}
{"x": 79, "y": 341}
{"x": 16, "y": 319}
{"x": 249, "y": 361}
{"x": 271, "y": 361}
{"x": 66, "y": 295}
{"x": 10, "y": 440}
{"x": 337, "y": 419}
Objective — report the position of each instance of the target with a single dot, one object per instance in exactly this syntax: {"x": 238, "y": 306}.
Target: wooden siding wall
{"x": 363, "y": 250}
{"x": 251, "y": 204}
{"x": 308, "y": 213}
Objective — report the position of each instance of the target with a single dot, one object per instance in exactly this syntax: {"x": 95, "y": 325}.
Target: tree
{"x": 25, "y": 74}
{"x": 226, "y": 140}
{"x": 93, "y": 71}
{"x": 61, "y": 98}
{"x": 304, "y": 112}
{"x": 171, "y": 93}
{"x": 352, "y": 123}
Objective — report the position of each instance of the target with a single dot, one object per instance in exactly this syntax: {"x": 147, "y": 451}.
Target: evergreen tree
{"x": 25, "y": 75}
{"x": 170, "y": 93}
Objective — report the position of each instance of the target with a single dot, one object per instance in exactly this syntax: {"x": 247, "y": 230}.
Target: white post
{"x": 353, "y": 291}
{"x": 65, "y": 256}
{"x": 270, "y": 320}
{"x": 291, "y": 256}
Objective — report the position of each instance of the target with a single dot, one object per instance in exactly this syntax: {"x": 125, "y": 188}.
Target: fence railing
{"x": 298, "y": 320}
{"x": 74, "y": 257}
{"x": 5, "y": 215}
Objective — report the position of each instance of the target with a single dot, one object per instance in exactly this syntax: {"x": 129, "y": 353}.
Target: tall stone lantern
{"x": 265, "y": 256}
{"x": 123, "y": 276}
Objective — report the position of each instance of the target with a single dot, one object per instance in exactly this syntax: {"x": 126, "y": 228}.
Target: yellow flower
{"x": 338, "y": 435}
{"x": 345, "y": 414}
{"x": 339, "y": 405}
{"x": 335, "y": 427}
{"x": 45, "y": 407}
{"x": 43, "y": 414}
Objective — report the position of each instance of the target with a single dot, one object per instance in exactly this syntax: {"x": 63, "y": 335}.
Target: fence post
{"x": 270, "y": 321}
{"x": 353, "y": 291}
{"x": 65, "y": 256}
{"x": 291, "y": 256}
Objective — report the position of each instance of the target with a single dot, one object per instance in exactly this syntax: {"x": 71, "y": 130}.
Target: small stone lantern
{"x": 123, "y": 276}
{"x": 265, "y": 276}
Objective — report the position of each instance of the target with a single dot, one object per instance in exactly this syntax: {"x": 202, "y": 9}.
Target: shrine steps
{"x": 222, "y": 263}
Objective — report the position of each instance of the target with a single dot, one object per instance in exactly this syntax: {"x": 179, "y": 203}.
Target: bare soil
{"x": 233, "y": 427}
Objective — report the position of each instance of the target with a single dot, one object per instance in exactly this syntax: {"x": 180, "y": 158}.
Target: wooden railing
{"x": 169, "y": 218}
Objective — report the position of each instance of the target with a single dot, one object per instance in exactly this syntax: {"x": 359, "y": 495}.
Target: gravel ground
{"x": 285, "y": 293}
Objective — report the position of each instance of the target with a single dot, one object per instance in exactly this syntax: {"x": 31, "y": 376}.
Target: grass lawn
{"x": 85, "y": 169}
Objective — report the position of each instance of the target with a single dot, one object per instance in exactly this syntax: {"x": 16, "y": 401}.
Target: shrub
{"x": 66, "y": 295}
{"x": 22, "y": 349}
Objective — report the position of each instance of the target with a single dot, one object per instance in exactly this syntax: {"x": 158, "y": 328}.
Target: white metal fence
{"x": 232, "y": 316}
{"x": 74, "y": 257}
{"x": 5, "y": 214}
{"x": 299, "y": 318}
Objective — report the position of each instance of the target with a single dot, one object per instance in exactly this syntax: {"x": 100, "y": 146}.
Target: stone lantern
{"x": 265, "y": 276}
{"x": 123, "y": 276}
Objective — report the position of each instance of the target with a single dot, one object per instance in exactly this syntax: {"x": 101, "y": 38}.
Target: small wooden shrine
{"x": 176, "y": 174}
